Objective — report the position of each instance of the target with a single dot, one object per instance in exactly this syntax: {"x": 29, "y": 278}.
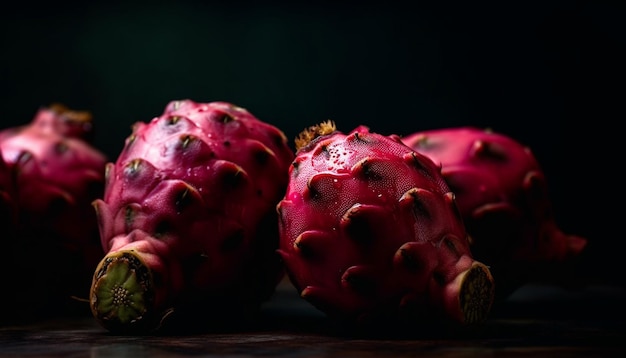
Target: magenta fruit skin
{"x": 502, "y": 194}
{"x": 56, "y": 173}
{"x": 370, "y": 231}
{"x": 193, "y": 195}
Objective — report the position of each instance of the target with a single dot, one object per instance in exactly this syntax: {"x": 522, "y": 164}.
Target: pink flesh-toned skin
{"x": 191, "y": 253}
{"x": 503, "y": 199}
{"x": 322, "y": 251}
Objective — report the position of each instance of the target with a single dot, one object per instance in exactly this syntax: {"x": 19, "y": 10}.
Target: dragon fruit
{"x": 57, "y": 173}
{"x": 503, "y": 198}
{"x": 188, "y": 219}
{"x": 370, "y": 232}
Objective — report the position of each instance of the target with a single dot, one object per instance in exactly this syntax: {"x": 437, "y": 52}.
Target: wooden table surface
{"x": 535, "y": 321}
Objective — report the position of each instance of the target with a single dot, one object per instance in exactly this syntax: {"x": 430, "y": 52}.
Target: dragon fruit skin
{"x": 60, "y": 120}
{"x": 370, "y": 231}
{"x": 57, "y": 173}
{"x": 503, "y": 198}
{"x": 188, "y": 219}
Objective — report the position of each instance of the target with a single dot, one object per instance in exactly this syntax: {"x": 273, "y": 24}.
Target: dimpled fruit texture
{"x": 57, "y": 173}
{"x": 188, "y": 218}
{"x": 502, "y": 195}
{"x": 370, "y": 231}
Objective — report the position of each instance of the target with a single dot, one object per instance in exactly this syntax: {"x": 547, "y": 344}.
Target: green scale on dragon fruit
{"x": 188, "y": 220}
{"x": 370, "y": 232}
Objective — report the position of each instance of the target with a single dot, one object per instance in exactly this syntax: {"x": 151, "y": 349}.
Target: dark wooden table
{"x": 536, "y": 321}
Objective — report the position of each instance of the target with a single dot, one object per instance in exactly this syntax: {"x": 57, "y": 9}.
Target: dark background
{"x": 549, "y": 74}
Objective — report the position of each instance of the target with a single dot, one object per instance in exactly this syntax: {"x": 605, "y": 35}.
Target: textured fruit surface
{"x": 188, "y": 218}
{"x": 370, "y": 231}
{"x": 57, "y": 173}
{"x": 502, "y": 195}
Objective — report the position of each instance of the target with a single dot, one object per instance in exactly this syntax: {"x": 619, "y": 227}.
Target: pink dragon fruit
{"x": 369, "y": 231}
{"x": 502, "y": 195}
{"x": 188, "y": 219}
{"x": 57, "y": 173}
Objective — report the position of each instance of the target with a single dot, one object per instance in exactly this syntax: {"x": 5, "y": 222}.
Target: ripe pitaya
{"x": 188, "y": 219}
{"x": 370, "y": 231}
{"x": 502, "y": 195}
{"x": 58, "y": 173}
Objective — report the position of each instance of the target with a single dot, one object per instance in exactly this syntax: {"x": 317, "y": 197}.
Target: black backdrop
{"x": 545, "y": 73}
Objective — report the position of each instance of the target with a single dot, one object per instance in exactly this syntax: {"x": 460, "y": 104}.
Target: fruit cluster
{"x": 207, "y": 208}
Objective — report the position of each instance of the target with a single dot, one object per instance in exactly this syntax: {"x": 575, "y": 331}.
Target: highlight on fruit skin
{"x": 188, "y": 220}
{"x": 370, "y": 231}
{"x": 503, "y": 197}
